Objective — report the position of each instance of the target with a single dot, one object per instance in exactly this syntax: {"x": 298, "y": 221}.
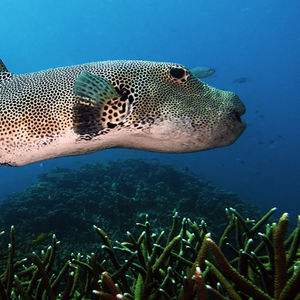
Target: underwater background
{"x": 162, "y": 205}
{"x": 253, "y": 45}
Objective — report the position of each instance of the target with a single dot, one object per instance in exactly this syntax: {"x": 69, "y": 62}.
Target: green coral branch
{"x": 292, "y": 254}
{"x": 280, "y": 266}
{"x": 184, "y": 264}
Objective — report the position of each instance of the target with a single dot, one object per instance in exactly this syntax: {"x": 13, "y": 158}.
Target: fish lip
{"x": 238, "y": 127}
{"x": 238, "y": 107}
{"x": 236, "y": 115}
{"x": 237, "y": 131}
{"x": 242, "y": 122}
{"x": 244, "y": 126}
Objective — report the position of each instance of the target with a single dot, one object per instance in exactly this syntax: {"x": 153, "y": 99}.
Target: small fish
{"x": 153, "y": 106}
{"x": 240, "y": 160}
{"x": 202, "y": 72}
{"x": 242, "y": 80}
{"x": 40, "y": 238}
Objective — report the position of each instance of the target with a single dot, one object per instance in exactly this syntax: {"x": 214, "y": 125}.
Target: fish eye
{"x": 177, "y": 73}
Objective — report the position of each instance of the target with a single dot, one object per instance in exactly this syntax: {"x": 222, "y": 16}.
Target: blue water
{"x": 259, "y": 40}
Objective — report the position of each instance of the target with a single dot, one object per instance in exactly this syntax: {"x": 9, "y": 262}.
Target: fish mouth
{"x": 227, "y": 132}
{"x": 231, "y": 125}
{"x": 237, "y": 110}
{"x": 238, "y": 107}
{"x": 236, "y": 117}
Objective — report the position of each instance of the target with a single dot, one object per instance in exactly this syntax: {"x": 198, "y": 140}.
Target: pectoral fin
{"x": 92, "y": 93}
{"x": 93, "y": 89}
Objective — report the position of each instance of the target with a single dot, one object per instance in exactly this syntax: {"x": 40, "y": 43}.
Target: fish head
{"x": 173, "y": 111}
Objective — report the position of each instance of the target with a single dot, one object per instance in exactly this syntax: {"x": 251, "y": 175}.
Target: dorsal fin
{"x": 3, "y": 68}
{"x": 4, "y": 74}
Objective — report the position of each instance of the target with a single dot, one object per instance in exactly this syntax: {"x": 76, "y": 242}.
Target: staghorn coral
{"x": 184, "y": 264}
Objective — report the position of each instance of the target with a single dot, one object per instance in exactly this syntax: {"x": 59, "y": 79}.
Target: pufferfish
{"x": 154, "y": 106}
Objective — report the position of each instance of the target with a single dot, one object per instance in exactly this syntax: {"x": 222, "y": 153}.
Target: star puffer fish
{"x": 75, "y": 110}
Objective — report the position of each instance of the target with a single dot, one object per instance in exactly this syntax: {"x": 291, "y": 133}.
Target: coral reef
{"x": 209, "y": 255}
{"x": 185, "y": 264}
{"x": 113, "y": 196}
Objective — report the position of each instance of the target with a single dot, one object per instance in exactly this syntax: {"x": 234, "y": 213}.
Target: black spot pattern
{"x": 37, "y": 108}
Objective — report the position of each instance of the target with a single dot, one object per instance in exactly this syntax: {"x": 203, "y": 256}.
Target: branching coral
{"x": 185, "y": 264}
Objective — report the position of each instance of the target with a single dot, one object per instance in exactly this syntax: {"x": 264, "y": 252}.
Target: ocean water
{"x": 253, "y": 45}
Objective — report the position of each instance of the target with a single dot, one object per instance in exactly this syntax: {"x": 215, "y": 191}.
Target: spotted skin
{"x": 154, "y": 106}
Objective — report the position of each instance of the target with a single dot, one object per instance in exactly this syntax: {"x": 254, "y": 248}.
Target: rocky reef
{"x": 212, "y": 253}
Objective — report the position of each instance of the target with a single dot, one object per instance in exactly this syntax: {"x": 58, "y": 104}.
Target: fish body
{"x": 242, "y": 80}
{"x": 202, "y": 71}
{"x": 81, "y": 109}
